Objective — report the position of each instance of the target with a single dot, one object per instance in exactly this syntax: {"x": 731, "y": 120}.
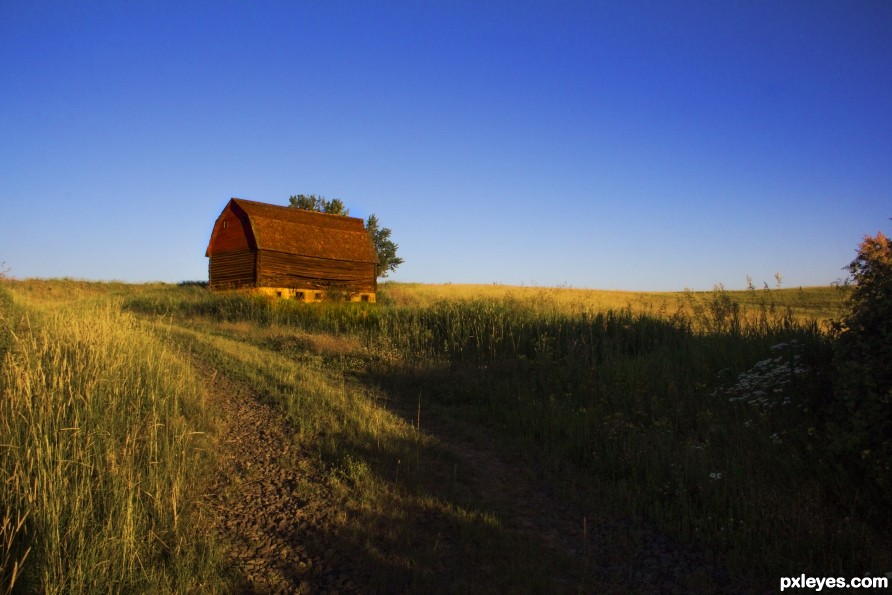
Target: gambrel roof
{"x": 297, "y": 231}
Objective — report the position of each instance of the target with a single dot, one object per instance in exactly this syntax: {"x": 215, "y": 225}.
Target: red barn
{"x": 291, "y": 252}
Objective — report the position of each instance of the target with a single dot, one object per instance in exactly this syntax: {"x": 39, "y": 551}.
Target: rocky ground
{"x": 275, "y": 508}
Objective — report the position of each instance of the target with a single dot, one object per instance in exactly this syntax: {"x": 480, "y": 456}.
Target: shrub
{"x": 864, "y": 363}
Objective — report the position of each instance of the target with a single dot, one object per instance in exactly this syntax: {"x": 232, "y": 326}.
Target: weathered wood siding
{"x": 290, "y": 251}
{"x": 232, "y": 269}
{"x": 278, "y": 269}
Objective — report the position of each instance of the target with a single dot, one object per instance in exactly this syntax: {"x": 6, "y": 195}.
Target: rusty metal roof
{"x": 308, "y": 233}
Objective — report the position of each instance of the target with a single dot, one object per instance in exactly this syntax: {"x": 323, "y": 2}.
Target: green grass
{"x": 636, "y": 411}
{"x": 641, "y": 407}
{"x": 675, "y": 409}
{"x": 386, "y": 475}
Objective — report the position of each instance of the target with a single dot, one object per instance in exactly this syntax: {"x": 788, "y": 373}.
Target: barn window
{"x": 278, "y": 294}
{"x": 318, "y": 296}
{"x": 225, "y": 224}
{"x": 299, "y": 295}
{"x": 365, "y": 297}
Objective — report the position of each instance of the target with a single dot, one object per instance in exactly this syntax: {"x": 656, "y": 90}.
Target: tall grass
{"x": 646, "y": 413}
{"x": 818, "y": 303}
{"x": 101, "y": 456}
{"x": 394, "y": 486}
{"x": 703, "y": 415}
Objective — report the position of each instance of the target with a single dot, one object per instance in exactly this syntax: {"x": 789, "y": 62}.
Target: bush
{"x": 864, "y": 364}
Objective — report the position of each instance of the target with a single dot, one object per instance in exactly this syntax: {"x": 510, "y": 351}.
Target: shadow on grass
{"x": 632, "y": 414}
{"x": 409, "y": 515}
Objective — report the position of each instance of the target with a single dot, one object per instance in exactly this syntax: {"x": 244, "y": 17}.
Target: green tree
{"x": 385, "y": 247}
{"x": 320, "y": 204}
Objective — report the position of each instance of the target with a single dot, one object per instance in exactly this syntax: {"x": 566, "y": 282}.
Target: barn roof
{"x": 308, "y": 233}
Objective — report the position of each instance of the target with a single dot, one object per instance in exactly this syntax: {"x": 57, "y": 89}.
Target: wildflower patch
{"x": 768, "y": 384}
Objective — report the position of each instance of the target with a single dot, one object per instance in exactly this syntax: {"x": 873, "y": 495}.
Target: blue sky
{"x": 616, "y": 145}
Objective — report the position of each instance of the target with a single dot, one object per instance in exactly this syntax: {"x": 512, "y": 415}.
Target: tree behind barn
{"x": 385, "y": 247}
{"x": 320, "y": 204}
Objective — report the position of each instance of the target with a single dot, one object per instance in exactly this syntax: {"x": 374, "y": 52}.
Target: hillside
{"x": 451, "y": 438}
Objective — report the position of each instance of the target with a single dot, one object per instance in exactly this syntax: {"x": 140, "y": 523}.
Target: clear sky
{"x": 617, "y": 145}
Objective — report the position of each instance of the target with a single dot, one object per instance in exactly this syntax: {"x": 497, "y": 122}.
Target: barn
{"x": 293, "y": 253}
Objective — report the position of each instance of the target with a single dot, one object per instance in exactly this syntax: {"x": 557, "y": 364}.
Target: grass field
{"x": 698, "y": 413}
{"x": 808, "y": 303}
{"x": 103, "y": 433}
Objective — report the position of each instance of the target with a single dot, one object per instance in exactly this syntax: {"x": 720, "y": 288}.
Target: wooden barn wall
{"x": 232, "y": 269}
{"x": 278, "y": 269}
{"x": 230, "y": 234}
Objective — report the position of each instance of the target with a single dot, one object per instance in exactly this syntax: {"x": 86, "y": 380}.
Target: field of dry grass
{"x": 819, "y": 303}
{"x": 103, "y": 442}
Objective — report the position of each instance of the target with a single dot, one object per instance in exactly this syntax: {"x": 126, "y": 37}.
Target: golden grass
{"x": 806, "y": 303}
{"x": 626, "y": 406}
{"x": 102, "y": 430}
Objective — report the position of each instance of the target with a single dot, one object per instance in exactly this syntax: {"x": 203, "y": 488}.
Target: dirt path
{"x": 272, "y": 502}
{"x": 276, "y": 510}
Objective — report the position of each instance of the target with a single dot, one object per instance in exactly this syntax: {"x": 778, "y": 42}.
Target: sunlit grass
{"x": 645, "y": 405}
{"x": 818, "y": 303}
{"x": 102, "y": 430}
{"x": 635, "y": 406}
